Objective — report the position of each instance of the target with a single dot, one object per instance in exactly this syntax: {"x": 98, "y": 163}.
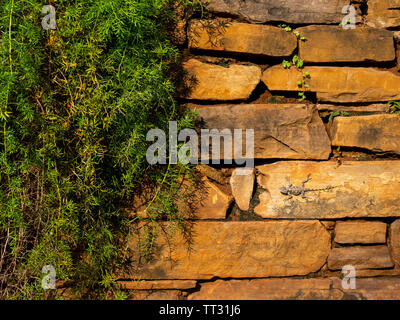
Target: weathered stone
{"x": 337, "y": 84}
{"x": 205, "y": 81}
{"x": 360, "y": 232}
{"x": 376, "y": 108}
{"x": 267, "y": 289}
{"x": 378, "y": 273}
{"x": 156, "y": 295}
{"x": 335, "y": 44}
{"x": 394, "y": 241}
{"x": 236, "y": 37}
{"x": 328, "y": 224}
{"x": 211, "y": 173}
{"x": 157, "y": 284}
{"x": 383, "y": 13}
{"x": 380, "y": 132}
{"x": 292, "y": 131}
{"x": 294, "y": 11}
{"x": 242, "y": 184}
{"x": 236, "y": 249}
{"x": 362, "y": 189}
{"x": 370, "y": 289}
{"x": 213, "y": 202}
{"x": 369, "y": 257}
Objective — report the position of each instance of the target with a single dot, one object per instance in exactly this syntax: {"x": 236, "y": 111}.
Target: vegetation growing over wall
{"x": 75, "y": 106}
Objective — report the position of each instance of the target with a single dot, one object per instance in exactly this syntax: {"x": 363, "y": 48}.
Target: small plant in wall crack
{"x": 394, "y": 107}
{"x": 298, "y": 64}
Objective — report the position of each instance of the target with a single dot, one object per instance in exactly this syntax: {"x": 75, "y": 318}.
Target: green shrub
{"x": 75, "y": 106}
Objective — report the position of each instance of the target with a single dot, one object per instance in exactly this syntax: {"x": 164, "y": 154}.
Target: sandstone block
{"x": 337, "y": 84}
{"x": 374, "y": 257}
{"x": 236, "y": 249}
{"x": 242, "y": 184}
{"x": 292, "y": 131}
{"x": 244, "y": 38}
{"x": 294, "y": 11}
{"x": 205, "y": 81}
{"x": 360, "y": 232}
{"x": 267, "y": 289}
{"x": 380, "y": 132}
{"x": 394, "y": 241}
{"x": 362, "y": 189}
{"x": 335, "y": 44}
{"x": 157, "y": 284}
{"x": 383, "y": 13}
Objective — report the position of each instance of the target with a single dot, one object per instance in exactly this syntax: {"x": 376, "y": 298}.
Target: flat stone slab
{"x": 206, "y": 81}
{"x": 157, "y": 284}
{"x": 242, "y": 185}
{"x": 236, "y": 249}
{"x": 335, "y": 44}
{"x": 244, "y": 38}
{"x": 292, "y": 131}
{"x": 298, "y": 289}
{"x": 383, "y": 13}
{"x": 379, "y": 133}
{"x": 394, "y": 241}
{"x": 267, "y": 289}
{"x": 362, "y": 189}
{"x": 367, "y": 257}
{"x": 376, "y": 108}
{"x": 360, "y": 232}
{"x": 294, "y": 11}
{"x": 337, "y": 84}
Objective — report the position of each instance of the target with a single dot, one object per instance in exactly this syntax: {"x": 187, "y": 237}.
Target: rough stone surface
{"x": 157, "y": 284}
{"x": 236, "y": 249}
{"x": 294, "y": 11}
{"x": 280, "y": 131}
{"x": 335, "y": 44}
{"x": 371, "y": 289}
{"x": 383, "y": 13}
{"x": 360, "y": 232}
{"x": 242, "y": 184}
{"x": 368, "y": 257}
{"x": 267, "y": 289}
{"x": 394, "y": 241}
{"x": 338, "y": 84}
{"x": 213, "y": 203}
{"x": 156, "y": 295}
{"x": 379, "y": 133}
{"x": 205, "y": 81}
{"x": 362, "y": 189}
{"x": 376, "y": 108}
{"x": 236, "y": 37}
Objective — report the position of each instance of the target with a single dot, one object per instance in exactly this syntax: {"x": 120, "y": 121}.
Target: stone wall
{"x": 249, "y": 240}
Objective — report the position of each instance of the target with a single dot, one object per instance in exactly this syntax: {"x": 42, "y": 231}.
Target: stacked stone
{"x": 303, "y": 243}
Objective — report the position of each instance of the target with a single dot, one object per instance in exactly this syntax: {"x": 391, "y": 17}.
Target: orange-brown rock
{"x": 205, "y": 81}
{"x": 294, "y": 11}
{"x": 236, "y": 249}
{"x": 267, "y": 289}
{"x": 293, "y": 131}
{"x": 366, "y": 257}
{"x": 335, "y": 44}
{"x": 394, "y": 241}
{"x": 361, "y": 189}
{"x": 157, "y": 284}
{"x": 214, "y": 204}
{"x": 383, "y": 13}
{"x": 234, "y": 37}
{"x": 370, "y": 289}
{"x": 242, "y": 184}
{"x": 337, "y": 84}
{"x": 360, "y": 232}
{"x": 380, "y": 132}
{"x": 156, "y": 295}
{"x": 375, "y": 108}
